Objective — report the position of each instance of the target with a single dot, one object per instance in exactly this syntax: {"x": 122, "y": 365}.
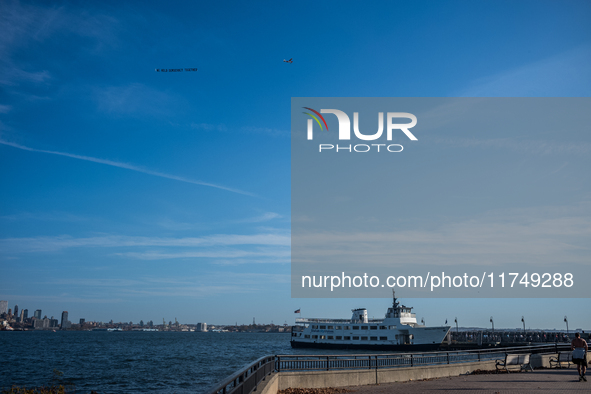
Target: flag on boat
{"x": 297, "y": 311}
{"x": 445, "y": 321}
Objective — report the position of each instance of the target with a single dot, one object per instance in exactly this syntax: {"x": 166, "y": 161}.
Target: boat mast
{"x": 394, "y": 302}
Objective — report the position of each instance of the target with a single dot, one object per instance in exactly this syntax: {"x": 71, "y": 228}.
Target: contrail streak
{"x": 128, "y": 167}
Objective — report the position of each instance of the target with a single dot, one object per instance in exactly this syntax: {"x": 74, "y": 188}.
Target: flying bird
{"x": 288, "y": 61}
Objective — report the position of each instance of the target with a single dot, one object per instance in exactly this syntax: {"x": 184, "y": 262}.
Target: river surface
{"x": 134, "y": 362}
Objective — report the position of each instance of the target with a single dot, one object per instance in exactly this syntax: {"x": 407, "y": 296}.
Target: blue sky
{"x": 129, "y": 194}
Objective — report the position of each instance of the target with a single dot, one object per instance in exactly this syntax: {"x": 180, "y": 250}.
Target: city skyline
{"x": 133, "y": 194}
{"x": 449, "y": 321}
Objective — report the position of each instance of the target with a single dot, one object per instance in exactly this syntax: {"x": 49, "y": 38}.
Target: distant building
{"x": 22, "y": 317}
{"x": 3, "y": 307}
{"x": 37, "y": 314}
{"x": 82, "y": 321}
{"x": 65, "y": 322}
{"x": 53, "y": 323}
{"x": 202, "y": 327}
{"x": 38, "y": 324}
{"x": 26, "y": 313}
{"x": 15, "y": 311}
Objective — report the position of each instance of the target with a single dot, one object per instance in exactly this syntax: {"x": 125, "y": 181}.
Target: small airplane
{"x": 288, "y": 61}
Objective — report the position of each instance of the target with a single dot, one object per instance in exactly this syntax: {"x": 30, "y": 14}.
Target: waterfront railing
{"x": 290, "y": 363}
{"x": 249, "y": 377}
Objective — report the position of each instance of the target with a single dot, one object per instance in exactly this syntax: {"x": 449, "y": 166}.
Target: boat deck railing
{"x": 249, "y": 377}
{"x": 300, "y": 320}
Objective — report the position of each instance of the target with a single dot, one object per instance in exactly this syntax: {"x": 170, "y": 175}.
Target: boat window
{"x": 373, "y": 327}
{"x": 346, "y": 328}
{"x": 329, "y": 327}
{"x": 364, "y": 338}
{"x": 337, "y": 327}
{"x": 383, "y": 338}
{"x": 330, "y": 337}
{"x": 392, "y": 327}
{"x": 322, "y": 337}
{"x": 355, "y": 338}
{"x": 307, "y": 336}
{"x": 356, "y": 327}
{"x": 347, "y": 338}
{"x": 322, "y": 327}
{"x": 383, "y": 328}
{"x": 339, "y": 337}
{"x": 314, "y": 336}
{"x": 365, "y": 328}
{"x": 314, "y": 326}
{"x": 373, "y": 338}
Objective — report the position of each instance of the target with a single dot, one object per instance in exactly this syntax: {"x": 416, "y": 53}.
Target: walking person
{"x": 580, "y": 348}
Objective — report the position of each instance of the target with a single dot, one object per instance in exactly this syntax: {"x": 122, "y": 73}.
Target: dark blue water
{"x": 133, "y": 362}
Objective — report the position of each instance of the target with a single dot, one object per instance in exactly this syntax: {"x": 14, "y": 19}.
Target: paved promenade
{"x": 539, "y": 381}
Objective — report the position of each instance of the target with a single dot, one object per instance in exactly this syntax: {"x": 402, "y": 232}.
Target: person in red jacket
{"x": 580, "y": 348}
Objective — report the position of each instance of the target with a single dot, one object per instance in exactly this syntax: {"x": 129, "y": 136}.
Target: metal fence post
{"x": 327, "y": 366}
{"x": 448, "y": 357}
{"x": 411, "y": 361}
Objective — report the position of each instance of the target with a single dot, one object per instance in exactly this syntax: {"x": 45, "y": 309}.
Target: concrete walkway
{"x": 545, "y": 380}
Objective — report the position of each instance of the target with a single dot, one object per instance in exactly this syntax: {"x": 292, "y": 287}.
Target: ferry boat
{"x": 398, "y": 330}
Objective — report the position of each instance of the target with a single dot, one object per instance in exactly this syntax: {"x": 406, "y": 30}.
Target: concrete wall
{"x": 320, "y": 379}
{"x": 270, "y": 385}
{"x": 361, "y": 377}
{"x": 543, "y": 360}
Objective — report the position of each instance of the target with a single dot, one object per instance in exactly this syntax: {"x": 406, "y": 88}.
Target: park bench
{"x": 523, "y": 360}
{"x": 563, "y": 357}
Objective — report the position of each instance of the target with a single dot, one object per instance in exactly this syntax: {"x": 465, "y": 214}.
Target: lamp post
{"x": 523, "y": 321}
{"x": 493, "y": 324}
{"x": 566, "y": 321}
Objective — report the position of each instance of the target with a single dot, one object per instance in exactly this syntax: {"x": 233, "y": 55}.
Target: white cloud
{"x": 52, "y": 244}
{"x": 540, "y": 147}
{"x": 267, "y": 130}
{"x": 134, "y": 99}
{"x": 562, "y": 74}
{"x": 262, "y": 218}
{"x": 204, "y": 285}
{"x": 48, "y": 216}
{"x": 128, "y": 167}
{"x": 209, "y": 127}
{"x": 274, "y": 255}
{"x": 246, "y": 129}
{"x": 27, "y": 26}
{"x": 543, "y": 235}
